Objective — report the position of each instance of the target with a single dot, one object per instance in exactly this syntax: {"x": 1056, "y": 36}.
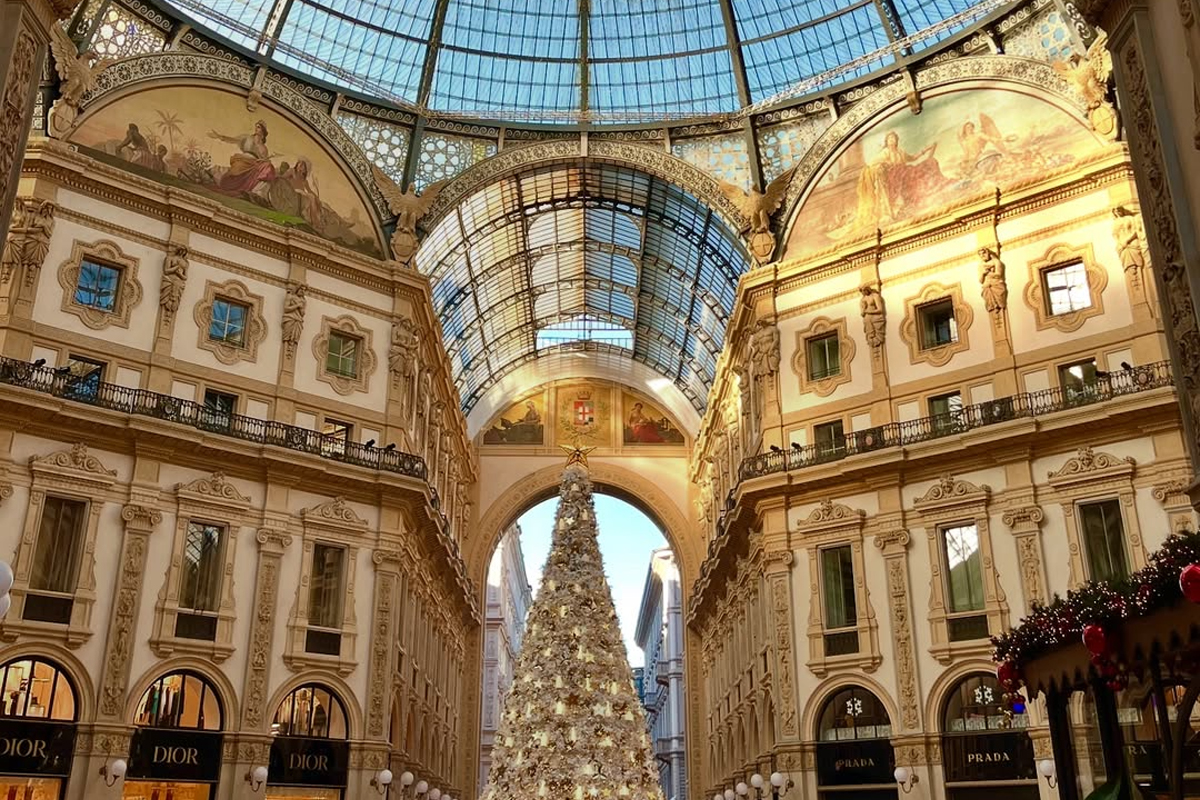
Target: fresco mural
{"x": 907, "y": 165}
{"x": 647, "y": 424}
{"x": 523, "y": 423}
{"x": 260, "y": 163}
{"x": 584, "y": 414}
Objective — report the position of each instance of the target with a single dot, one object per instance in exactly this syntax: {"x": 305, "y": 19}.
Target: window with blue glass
{"x": 82, "y": 376}
{"x": 98, "y": 286}
{"x": 228, "y": 322}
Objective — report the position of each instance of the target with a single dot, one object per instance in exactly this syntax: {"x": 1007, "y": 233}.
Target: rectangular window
{"x": 1104, "y": 539}
{"x": 343, "y": 355}
{"x": 219, "y": 408}
{"x": 56, "y": 560}
{"x": 837, "y": 580}
{"x": 82, "y": 377}
{"x": 830, "y": 438}
{"x": 98, "y": 286}
{"x": 1067, "y": 289}
{"x": 325, "y": 586}
{"x": 1079, "y": 381}
{"x": 824, "y": 357}
{"x": 335, "y": 435}
{"x": 203, "y": 564}
{"x": 938, "y": 325}
{"x": 228, "y": 322}
{"x": 945, "y": 412}
{"x": 964, "y": 568}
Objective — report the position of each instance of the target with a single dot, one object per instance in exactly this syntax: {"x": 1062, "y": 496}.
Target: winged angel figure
{"x": 77, "y": 76}
{"x": 409, "y": 207}
{"x": 758, "y": 207}
{"x": 1090, "y": 77}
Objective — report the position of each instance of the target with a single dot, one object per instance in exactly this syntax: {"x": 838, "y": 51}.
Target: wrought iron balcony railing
{"x": 1002, "y": 409}
{"x": 87, "y": 390}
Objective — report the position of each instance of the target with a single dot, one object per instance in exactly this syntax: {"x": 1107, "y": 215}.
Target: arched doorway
{"x": 854, "y": 748}
{"x": 39, "y": 711}
{"x": 985, "y": 754}
{"x": 176, "y": 745}
{"x": 310, "y": 754}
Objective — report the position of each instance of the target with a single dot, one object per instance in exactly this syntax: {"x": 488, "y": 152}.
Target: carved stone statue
{"x": 1127, "y": 231}
{"x": 991, "y": 281}
{"x": 874, "y": 315}
{"x": 409, "y": 208}
{"x": 764, "y": 348}
{"x": 175, "y": 269}
{"x": 76, "y": 75}
{"x": 293, "y": 316}
{"x": 758, "y": 207}
{"x": 406, "y": 341}
{"x": 1090, "y": 76}
{"x": 744, "y": 390}
{"x": 28, "y": 238}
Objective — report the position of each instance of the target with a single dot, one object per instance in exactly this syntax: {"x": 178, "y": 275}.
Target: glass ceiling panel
{"x": 698, "y": 84}
{"x": 548, "y": 260}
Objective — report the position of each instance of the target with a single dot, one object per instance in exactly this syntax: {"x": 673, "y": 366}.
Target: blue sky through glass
{"x": 627, "y": 537}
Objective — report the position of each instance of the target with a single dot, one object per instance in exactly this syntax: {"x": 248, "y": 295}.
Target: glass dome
{"x": 584, "y": 60}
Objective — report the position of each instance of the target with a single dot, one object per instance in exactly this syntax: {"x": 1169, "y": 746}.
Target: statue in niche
{"x": 991, "y": 281}
{"x": 874, "y": 315}
{"x": 764, "y": 348}
{"x": 28, "y": 238}
{"x": 1127, "y": 231}
{"x": 293, "y": 316}
{"x": 174, "y": 278}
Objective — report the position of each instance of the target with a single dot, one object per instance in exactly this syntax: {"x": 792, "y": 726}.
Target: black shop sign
{"x": 855, "y": 762}
{"x": 28, "y": 747}
{"x": 175, "y": 755}
{"x": 303, "y": 761}
{"x": 988, "y": 757}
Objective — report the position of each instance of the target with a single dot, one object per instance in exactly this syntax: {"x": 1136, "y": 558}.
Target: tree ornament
{"x": 1006, "y": 675}
{"x": 1096, "y": 640}
{"x": 1189, "y": 582}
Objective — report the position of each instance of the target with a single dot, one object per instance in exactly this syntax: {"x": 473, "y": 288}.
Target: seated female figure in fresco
{"x": 897, "y": 182}
{"x": 248, "y": 167}
{"x": 642, "y": 429}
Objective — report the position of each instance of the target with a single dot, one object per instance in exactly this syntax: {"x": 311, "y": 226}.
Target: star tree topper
{"x": 576, "y": 454}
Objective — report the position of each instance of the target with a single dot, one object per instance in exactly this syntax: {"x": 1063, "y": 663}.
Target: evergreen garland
{"x": 1106, "y": 603}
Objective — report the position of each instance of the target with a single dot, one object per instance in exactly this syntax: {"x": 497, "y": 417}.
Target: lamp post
{"x": 411, "y": 788}
{"x": 775, "y": 787}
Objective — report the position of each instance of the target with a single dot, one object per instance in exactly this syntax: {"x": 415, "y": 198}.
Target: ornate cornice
{"x": 215, "y": 487}
{"x": 334, "y": 512}
{"x": 1087, "y": 464}
{"x": 77, "y": 460}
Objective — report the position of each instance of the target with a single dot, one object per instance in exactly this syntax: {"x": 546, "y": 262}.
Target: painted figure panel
{"x": 523, "y": 423}
{"x": 647, "y": 424}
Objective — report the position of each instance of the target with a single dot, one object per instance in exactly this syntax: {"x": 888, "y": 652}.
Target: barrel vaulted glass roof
{"x": 587, "y": 256}
{"x": 580, "y": 60}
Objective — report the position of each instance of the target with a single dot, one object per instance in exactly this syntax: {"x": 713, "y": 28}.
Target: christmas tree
{"x": 573, "y": 727}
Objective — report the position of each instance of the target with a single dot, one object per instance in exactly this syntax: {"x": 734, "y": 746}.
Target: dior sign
{"x": 36, "y": 748}
{"x": 170, "y": 754}
{"x": 305, "y": 761}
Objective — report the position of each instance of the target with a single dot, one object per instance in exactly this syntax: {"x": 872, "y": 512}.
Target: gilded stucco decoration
{"x": 28, "y": 240}
{"x": 77, "y": 76}
{"x": 758, "y": 207}
{"x": 923, "y": 352}
{"x": 894, "y": 546}
{"x": 822, "y": 383}
{"x": 227, "y": 350}
{"x": 125, "y": 296}
{"x": 1090, "y": 76}
{"x": 272, "y": 543}
{"x": 1036, "y": 293}
{"x": 365, "y": 358}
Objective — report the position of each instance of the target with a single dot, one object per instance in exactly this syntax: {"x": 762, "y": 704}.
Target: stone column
{"x": 778, "y": 574}
{"x": 1025, "y": 522}
{"x": 1155, "y": 49}
{"x": 24, "y": 40}
{"x": 383, "y": 638}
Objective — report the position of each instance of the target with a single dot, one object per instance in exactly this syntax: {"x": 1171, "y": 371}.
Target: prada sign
{"x": 855, "y": 762}
{"x": 301, "y": 761}
{"x": 178, "y": 755}
{"x": 1150, "y": 763}
{"x": 1006, "y": 756}
{"x": 29, "y": 747}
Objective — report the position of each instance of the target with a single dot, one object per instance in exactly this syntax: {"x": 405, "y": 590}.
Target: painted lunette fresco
{"x": 907, "y": 166}
{"x": 206, "y": 141}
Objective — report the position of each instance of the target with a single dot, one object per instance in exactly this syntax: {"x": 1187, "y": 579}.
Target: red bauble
{"x": 1095, "y": 639}
{"x": 1006, "y": 674}
{"x": 1189, "y": 582}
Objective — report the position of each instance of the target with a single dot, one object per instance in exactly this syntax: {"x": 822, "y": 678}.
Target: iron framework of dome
{"x": 595, "y": 257}
{"x": 584, "y": 60}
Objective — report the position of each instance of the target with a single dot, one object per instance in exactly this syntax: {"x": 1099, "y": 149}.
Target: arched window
{"x": 38, "y": 689}
{"x": 180, "y": 700}
{"x": 311, "y": 710}
{"x": 975, "y": 706}
{"x": 853, "y": 713}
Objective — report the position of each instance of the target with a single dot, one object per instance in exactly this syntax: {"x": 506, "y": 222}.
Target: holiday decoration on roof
{"x": 572, "y": 726}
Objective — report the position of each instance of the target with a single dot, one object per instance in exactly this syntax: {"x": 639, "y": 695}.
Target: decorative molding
{"x": 253, "y": 334}
{"x": 129, "y": 289}
{"x": 214, "y": 489}
{"x": 1025, "y": 522}
{"x": 76, "y": 462}
{"x": 6, "y": 491}
{"x": 365, "y": 360}
{"x": 28, "y": 240}
{"x": 1173, "y": 497}
{"x": 174, "y": 280}
{"x": 1059, "y": 255}
{"x": 334, "y": 513}
{"x": 819, "y": 328}
{"x": 1087, "y": 464}
{"x": 951, "y": 491}
{"x": 272, "y": 542}
{"x": 910, "y": 326}
{"x": 782, "y": 623}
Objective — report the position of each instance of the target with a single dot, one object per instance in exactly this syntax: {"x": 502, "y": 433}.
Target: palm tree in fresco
{"x": 169, "y": 124}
